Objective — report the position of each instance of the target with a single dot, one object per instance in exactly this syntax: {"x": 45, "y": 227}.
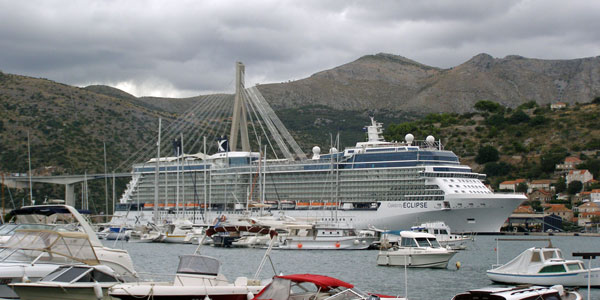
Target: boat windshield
{"x": 552, "y": 254}
{"x": 574, "y": 267}
{"x": 423, "y": 242}
{"x": 434, "y": 243}
{"x": 349, "y": 294}
{"x": 553, "y": 269}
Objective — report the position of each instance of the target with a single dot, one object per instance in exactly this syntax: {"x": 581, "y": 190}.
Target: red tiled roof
{"x": 557, "y": 208}
{"x": 542, "y": 181}
{"x": 577, "y": 172}
{"x": 588, "y": 204}
{"x": 572, "y": 159}
{"x": 523, "y": 209}
{"x": 596, "y": 191}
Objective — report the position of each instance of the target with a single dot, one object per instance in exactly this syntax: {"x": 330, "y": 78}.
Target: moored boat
{"x": 312, "y": 286}
{"x": 416, "y": 250}
{"x": 544, "y": 266}
{"x": 519, "y": 293}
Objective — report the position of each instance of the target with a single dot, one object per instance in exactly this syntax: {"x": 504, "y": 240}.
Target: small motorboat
{"x": 544, "y": 266}
{"x": 74, "y": 282}
{"x": 443, "y": 235}
{"x": 197, "y": 277}
{"x": 323, "y": 237}
{"x": 416, "y": 250}
{"x": 556, "y": 292}
{"x": 311, "y": 286}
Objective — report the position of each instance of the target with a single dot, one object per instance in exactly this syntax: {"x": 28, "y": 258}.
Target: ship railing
{"x": 131, "y": 186}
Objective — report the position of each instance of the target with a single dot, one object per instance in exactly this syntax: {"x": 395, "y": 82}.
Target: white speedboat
{"x": 311, "y": 286}
{"x": 443, "y": 235}
{"x": 519, "y": 293}
{"x": 323, "y": 237}
{"x": 70, "y": 282}
{"x": 31, "y": 254}
{"x": 197, "y": 277}
{"x": 544, "y": 266}
{"x": 416, "y": 250}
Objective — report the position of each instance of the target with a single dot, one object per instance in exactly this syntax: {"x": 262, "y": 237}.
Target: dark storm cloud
{"x": 183, "y": 48}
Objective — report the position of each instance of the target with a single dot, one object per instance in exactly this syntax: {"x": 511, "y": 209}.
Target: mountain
{"x": 395, "y": 83}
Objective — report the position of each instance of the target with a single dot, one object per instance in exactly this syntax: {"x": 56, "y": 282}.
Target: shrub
{"x": 489, "y": 106}
{"x": 497, "y": 169}
{"x": 487, "y": 154}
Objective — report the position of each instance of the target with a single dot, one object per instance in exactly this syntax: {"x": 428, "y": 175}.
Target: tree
{"x": 485, "y": 105}
{"x": 574, "y": 187}
{"x": 487, "y": 154}
{"x": 522, "y": 187}
{"x": 596, "y": 100}
{"x": 549, "y": 159}
{"x": 593, "y": 165}
{"x": 518, "y": 117}
{"x": 560, "y": 185}
{"x": 497, "y": 169}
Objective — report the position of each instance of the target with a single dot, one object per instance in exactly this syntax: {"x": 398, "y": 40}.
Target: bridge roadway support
{"x": 21, "y": 182}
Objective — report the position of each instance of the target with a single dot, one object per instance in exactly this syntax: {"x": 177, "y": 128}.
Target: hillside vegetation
{"x": 526, "y": 142}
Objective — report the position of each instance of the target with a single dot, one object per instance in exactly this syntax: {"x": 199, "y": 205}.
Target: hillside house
{"x": 582, "y": 197}
{"x": 585, "y": 219}
{"x": 558, "y": 105}
{"x": 543, "y": 196}
{"x": 595, "y": 195}
{"x": 510, "y": 184}
{"x": 579, "y": 175}
{"x": 588, "y": 207}
{"x": 559, "y": 210}
{"x": 541, "y": 184}
{"x": 569, "y": 164}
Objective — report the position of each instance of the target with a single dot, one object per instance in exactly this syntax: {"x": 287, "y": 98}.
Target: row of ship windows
{"x": 472, "y": 192}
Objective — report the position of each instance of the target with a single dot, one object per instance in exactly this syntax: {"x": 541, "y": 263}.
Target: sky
{"x": 178, "y": 48}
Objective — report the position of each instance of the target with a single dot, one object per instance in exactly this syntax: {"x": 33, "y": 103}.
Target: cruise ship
{"x": 375, "y": 183}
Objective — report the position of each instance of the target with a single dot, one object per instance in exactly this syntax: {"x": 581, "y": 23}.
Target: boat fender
{"x": 25, "y": 279}
{"x": 250, "y": 296}
{"x": 206, "y": 297}
{"x": 337, "y": 244}
{"x": 458, "y": 265}
{"x": 559, "y": 288}
{"x": 299, "y": 245}
{"x": 98, "y": 291}
{"x": 356, "y": 242}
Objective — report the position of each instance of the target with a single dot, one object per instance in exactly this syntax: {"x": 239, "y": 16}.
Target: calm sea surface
{"x": 359, "y": 267}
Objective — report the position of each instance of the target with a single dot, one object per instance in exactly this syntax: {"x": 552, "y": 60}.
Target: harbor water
{"x": 359, "y": 267}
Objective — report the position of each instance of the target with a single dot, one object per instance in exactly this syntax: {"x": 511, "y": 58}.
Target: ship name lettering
{"x": 414, "y": 205}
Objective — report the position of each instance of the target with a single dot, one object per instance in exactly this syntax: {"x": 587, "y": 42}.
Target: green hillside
{"x": 526, "y": 142}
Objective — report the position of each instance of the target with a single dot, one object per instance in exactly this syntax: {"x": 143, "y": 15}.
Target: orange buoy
{"x": 299, "y": 245}
{"x": 337, "y": 245}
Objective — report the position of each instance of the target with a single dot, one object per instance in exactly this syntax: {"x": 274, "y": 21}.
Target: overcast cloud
{"x": 185, "y": 48}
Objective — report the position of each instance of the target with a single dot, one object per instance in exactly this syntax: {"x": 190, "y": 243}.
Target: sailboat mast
{"x": 155, "y": 218}
{"x": 29, "y": 158}
{"x": 182, "y": 173}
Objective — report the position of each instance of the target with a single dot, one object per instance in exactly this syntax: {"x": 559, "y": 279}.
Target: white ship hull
{"x": 468, "y": 213}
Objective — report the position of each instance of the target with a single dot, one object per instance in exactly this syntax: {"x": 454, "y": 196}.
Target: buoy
{"x": 356, "y": 242}
{"x": 337, "y": 245}
{"x": 250, "y": 296}
{"x": 98, "y": 291}
{"x": 458, "y": 265}
{"x": 299, "y": 245}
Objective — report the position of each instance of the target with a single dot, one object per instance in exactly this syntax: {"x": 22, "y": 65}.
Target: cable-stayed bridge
{"x": 245, "y": 115}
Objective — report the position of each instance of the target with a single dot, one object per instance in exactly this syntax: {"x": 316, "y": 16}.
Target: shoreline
{"x": 585, "y": 234}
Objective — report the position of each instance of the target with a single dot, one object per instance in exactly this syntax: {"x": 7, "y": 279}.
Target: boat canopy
{"x": 47, "y": 246}
{"x": 231, "y": 228}
{"x": 531, "y": 260}
{"x": 281, "y": 286}
{"x": 324, "y": 282}
{"x": 198, "y": 264}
